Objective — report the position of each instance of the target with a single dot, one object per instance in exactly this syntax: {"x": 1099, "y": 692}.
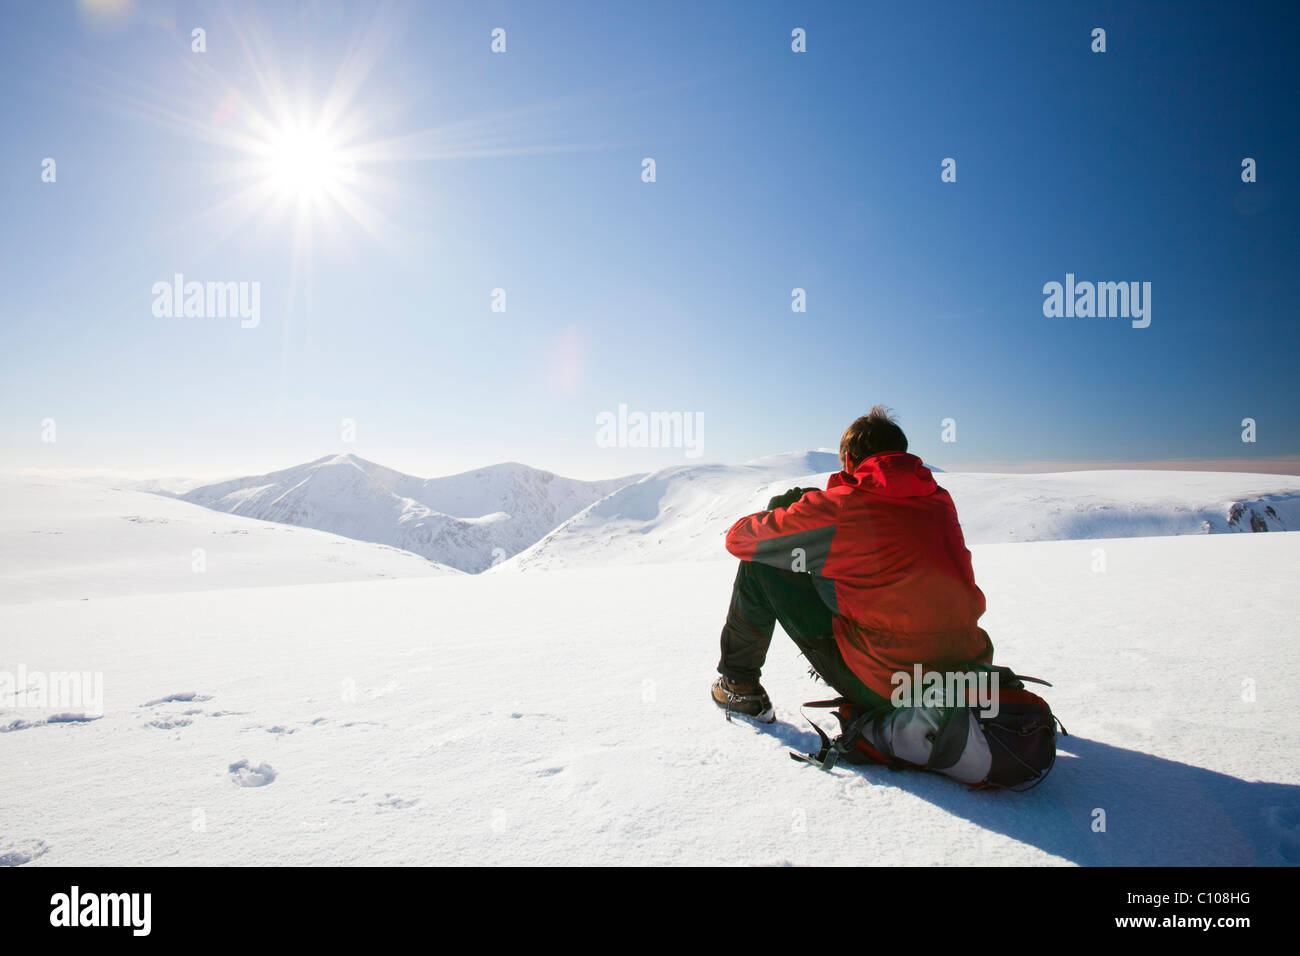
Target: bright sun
{"x": 304, "y": 163}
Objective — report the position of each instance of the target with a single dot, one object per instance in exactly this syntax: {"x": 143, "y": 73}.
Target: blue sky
{"x": 475, "y": 170}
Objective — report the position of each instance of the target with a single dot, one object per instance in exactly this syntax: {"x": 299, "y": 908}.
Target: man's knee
{"x": 768, "y": 577}
{"x": 792, "y": 597}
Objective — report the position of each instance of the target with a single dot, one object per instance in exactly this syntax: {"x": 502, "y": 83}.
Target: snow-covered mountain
{"x": 468, "y": 521}
{"x": 682, "y": 513}
{"x": 1121, "y": 504}
{"x": 677, "y": 514}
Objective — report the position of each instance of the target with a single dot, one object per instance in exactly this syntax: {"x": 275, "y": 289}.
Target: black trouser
{"x": 764, "y": 595}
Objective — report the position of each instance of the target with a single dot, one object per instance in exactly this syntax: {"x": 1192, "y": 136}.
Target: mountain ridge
{"x": 468, "y": 521}
{"x": 510, "y": 515}
{"x": 682, "y": 513}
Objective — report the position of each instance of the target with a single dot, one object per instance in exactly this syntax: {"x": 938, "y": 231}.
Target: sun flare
{"x": 321, "y": 164}
{"x": 303, "y": 163}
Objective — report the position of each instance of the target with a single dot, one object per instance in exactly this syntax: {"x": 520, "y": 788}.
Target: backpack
{"x": 1013, "y": 750}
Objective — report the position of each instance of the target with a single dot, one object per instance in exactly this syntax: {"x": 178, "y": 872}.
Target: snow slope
{"x": 1111, "y": 504}
{"x": 468, "y": 521}
{"x": 563, "y": 718}
{"x": 683, "y": 513}
{"x": 677, "y": 514}
{"x": 77, "y": 540}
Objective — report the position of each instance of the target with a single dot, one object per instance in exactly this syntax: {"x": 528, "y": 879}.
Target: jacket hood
{"x": 894, "y": 474}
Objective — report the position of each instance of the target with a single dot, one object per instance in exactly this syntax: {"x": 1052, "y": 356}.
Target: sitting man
{"x": 869, "y": 578}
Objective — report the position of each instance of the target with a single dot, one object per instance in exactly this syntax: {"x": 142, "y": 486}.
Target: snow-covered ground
{"x": 563, "y": 716}
{"x": 62, "y": 539}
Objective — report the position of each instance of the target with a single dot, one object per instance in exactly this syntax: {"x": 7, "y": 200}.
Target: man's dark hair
{"x": 873, "y": 433}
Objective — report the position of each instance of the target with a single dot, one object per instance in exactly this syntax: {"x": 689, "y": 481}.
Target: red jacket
{"x": 887, "y": 556}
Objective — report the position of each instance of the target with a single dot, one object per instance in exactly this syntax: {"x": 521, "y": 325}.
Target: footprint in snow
{"x": 182, "y": 697}
{"x": 174, "y": 724}
{"x": 19, "y": 724}
{"x": 18, "y": 852}
{"x": 244, "y": 774}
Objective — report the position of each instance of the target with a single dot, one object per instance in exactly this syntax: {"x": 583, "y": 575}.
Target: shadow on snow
{"x": 1158, "y": 812}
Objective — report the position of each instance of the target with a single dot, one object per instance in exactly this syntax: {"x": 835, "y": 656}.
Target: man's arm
{"x": 794, "y": 538}
{"x": 787, "y": 499}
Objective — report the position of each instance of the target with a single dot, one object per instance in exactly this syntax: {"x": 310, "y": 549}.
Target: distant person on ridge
{"x": 869, "y": 578}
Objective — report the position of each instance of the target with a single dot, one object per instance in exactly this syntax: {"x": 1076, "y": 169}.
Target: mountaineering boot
{"x": 748, "y": 700}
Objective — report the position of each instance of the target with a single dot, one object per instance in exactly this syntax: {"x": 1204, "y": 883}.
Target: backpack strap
{"x": 949, "y": 741}
{"x": 825, "y": 757}
{"x": 831, "y": 750}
